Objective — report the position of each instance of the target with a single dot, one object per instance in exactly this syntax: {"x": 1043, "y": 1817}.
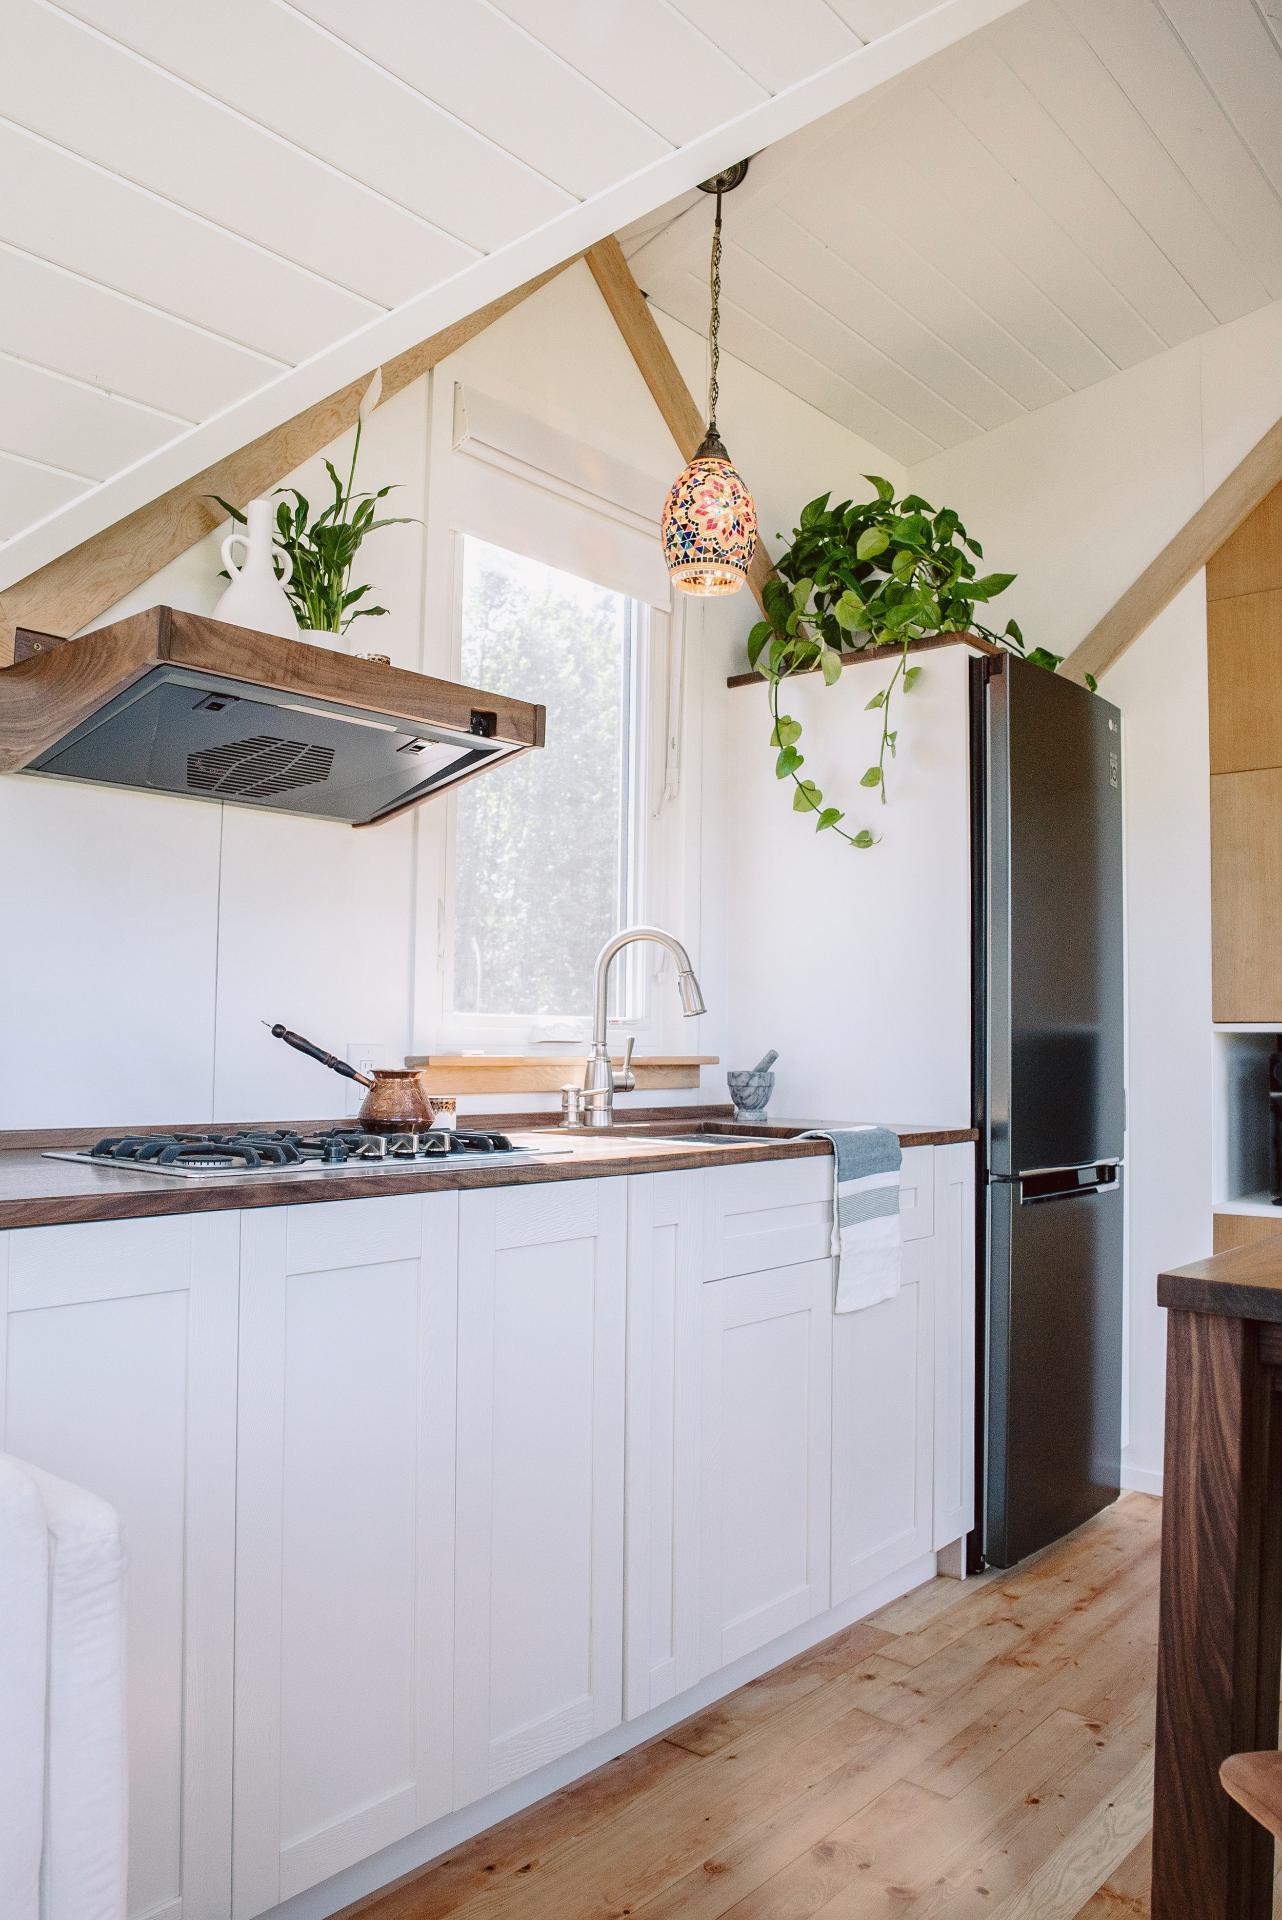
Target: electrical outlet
{"x": 364, "y": 1055}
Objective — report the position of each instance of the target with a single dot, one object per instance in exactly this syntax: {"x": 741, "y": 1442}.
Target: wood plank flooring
{"x": 978, "y": 1748}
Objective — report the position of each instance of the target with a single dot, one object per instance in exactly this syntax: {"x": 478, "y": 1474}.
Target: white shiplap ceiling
{"x": 214, "y": 216}
{"x": 1073, "y": 189}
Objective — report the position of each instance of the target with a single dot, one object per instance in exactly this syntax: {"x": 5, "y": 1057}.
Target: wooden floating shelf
{"x": 454, "y": 1073}
{"x": 926, "y": 644}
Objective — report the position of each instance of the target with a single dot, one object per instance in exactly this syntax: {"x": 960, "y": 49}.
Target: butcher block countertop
{"x": 35, "y": 1192}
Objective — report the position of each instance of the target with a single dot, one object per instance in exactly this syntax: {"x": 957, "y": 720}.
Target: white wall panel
{"x": 29, "y": 490}
{"x": 45, "y": 416}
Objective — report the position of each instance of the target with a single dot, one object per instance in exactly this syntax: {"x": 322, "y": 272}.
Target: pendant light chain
{"x": 714, "y": 322}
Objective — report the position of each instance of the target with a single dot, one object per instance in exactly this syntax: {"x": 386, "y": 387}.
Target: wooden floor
{"x": 974, "y": 1749}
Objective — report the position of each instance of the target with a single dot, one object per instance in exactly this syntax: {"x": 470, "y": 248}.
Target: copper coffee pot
{"x": 395, "y": 1102}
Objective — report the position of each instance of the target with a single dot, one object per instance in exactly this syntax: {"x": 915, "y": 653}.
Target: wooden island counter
{"x": 1220, "y": 1638}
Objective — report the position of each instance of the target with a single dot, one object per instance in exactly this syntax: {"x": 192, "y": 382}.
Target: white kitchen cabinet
{"x": 118, "y": 1372}
{"x": 902, "y": 1391}
{"x": 345, "y": 1514}
{"x": 666, "y": 1267}
{"x": 764, "y": 1456}
{"x": 954, "y": 1387}
{"x": 539, "y": 1549}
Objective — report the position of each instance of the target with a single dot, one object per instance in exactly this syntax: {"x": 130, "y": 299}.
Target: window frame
{"x": 566, "y": 488}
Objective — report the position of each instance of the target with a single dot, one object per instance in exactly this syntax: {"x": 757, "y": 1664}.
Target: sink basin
{"x": 704, "y": 1137}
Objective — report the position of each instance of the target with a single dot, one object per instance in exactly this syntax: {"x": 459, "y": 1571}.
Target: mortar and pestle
{"x": 751, "y": 1088}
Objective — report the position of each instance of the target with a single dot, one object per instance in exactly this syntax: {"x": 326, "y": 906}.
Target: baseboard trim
{"x": 418, "y": 1849}
{"x": 1141, "y": 1480}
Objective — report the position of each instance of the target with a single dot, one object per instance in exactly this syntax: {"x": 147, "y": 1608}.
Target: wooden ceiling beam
{"x": 78, "y": 586}
{"x": 681, "y": 412}
{"x": 1219, "y": 516}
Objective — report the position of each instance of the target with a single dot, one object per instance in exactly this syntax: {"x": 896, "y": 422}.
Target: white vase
{"x": 256, "y": 597}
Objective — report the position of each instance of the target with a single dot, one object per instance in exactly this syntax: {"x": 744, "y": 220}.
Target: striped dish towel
{"x": 866, "y": 1241}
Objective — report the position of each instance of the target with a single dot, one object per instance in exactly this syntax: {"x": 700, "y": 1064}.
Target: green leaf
{"x": 788, "y": 762}
{"x": 1092, "y": 684}
{"x": 871, "y": 542}
{"x": 1013, "y": 632}
{"x": 1042, "y": 657}
{"x": 850, "y": 617}
{"x": 786, "y": 732}
{"x": 872, "y": 778}
{"x": 830, "y": 666}
{"x": 863, "y": 839}
{"x": 757, "y": 638}
{"x": 814, "y": 508}
{"x": 911, "y": 676}
{"x": 884, "y": 489}
{"x": 989, "y": 587}
{"x": 878, "y": 700}
{"x": 801, "y": 593}
{"x": 892, "y": 741}
{"x": 807, "y": 797}
{"x": 828, "y": 818}
{"x": 904, "y": 565}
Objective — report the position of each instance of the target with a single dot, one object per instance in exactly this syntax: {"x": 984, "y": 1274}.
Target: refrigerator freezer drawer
{"x": 1054, "y": 1360}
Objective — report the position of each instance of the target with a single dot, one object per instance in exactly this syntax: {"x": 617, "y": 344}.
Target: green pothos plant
{"x": 865, "y": 575}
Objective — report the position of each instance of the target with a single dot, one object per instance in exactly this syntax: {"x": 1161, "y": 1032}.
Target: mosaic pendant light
{"x": 709, "y": 524}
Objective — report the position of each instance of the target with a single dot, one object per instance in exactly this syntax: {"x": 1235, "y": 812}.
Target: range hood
{"x": 171, "y": 702}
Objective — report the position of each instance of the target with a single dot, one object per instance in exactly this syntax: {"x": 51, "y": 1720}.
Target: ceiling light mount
{"x": 727, "y": 180}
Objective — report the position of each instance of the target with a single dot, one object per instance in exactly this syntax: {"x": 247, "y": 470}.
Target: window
{"x": 546, "y": 852}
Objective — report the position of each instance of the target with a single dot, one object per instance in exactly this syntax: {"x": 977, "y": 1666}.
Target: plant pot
{"x": 320, "y": 637}
{"x": 256, "y": 597}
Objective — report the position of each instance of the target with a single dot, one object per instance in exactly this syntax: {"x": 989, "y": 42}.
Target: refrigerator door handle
{"x": 1067, "y": 1183}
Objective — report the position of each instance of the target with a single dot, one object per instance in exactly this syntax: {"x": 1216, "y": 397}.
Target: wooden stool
{"x": 1254, "y": 1780}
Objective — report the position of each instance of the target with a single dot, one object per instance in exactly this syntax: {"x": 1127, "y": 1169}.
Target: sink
{"x": 703, "y": 1137}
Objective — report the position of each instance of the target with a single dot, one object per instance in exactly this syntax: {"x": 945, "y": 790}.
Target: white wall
{"x": 1076, "y": 499}
{"x": 159, "y": 933}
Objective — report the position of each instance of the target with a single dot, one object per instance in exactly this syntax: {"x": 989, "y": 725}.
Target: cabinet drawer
{"x": 776, "y": 1213}
{"x": 773, "y": 1213}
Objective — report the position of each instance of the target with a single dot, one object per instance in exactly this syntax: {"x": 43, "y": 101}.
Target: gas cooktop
{"x": 280, "y": 1152}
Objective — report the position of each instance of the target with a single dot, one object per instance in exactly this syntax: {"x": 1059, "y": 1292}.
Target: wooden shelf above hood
{"x": 60, "y": 697}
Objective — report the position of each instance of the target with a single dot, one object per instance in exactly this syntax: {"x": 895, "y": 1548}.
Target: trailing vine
{"x": 861, "y": 575}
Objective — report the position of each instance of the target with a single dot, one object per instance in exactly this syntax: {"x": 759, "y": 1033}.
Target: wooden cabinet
{"x": 1246, "y": 895}
{"x": 667, "y": 1239}
{"x": 539, "y": 1602}
{"x": 119, "y": 1373}
{"x": 764, "y": 1455}
{"x": 345, "y": 1514}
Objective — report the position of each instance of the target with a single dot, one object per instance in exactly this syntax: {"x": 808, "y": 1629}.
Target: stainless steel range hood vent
{"x": 170, "y": 702}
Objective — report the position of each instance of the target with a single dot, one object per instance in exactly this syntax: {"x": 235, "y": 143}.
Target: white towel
{"x": 82, "y": 1874}
{"x": 24, "y": 1613}
{"x": 867, "y": 1245}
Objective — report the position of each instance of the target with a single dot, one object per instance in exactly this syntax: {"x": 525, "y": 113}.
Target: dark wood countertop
{"x": 35, "y": 1192}
{"x": 1243, "y": 1284}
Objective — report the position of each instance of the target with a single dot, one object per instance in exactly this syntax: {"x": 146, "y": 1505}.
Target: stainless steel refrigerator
{"x": 1050, "y": 1101}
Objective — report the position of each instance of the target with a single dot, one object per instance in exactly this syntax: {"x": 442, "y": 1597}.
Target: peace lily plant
{"x": 863, "y": 575}
{"x": 322, "y": 548}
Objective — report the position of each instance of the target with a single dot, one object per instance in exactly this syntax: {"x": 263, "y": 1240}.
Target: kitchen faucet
{"x": 592, "y": 1104}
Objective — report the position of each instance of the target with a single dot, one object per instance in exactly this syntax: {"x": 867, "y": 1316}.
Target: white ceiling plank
{"x": 871, "y": 19}
{"x": 646, "y": 56}
{"x": 71, "y": 326}
{"x": 65, "y": 82}
{"x": 437, "y": 305}
{"x": 771, "y": 296}
{"x": 780, "y": 241}
{"x": 63, "y": 423}
{"x": 29, "y": 492}
{"x": 1000, "y": 254}
{"x": 494, "y": 77}
{"x": 277, "y": 68}
{"x": 95, "y": 224}
{"x": 1002, "y": 115}
{"x": 775, "y": 55}
{"x": 755, "y": 341}
{"x": 1071, "y": 84}
{"x": 1240, "y": 61}
{"x": 1136, "y": 44}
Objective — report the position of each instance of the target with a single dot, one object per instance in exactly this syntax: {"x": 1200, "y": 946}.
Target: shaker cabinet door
{"x": 344, "y": 1591}
{"x": 666, "y": 1258}
{"x": 539, "y": 1652}
{"x": 118, "y": 1372}
{"x": 765, "y": 1380}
